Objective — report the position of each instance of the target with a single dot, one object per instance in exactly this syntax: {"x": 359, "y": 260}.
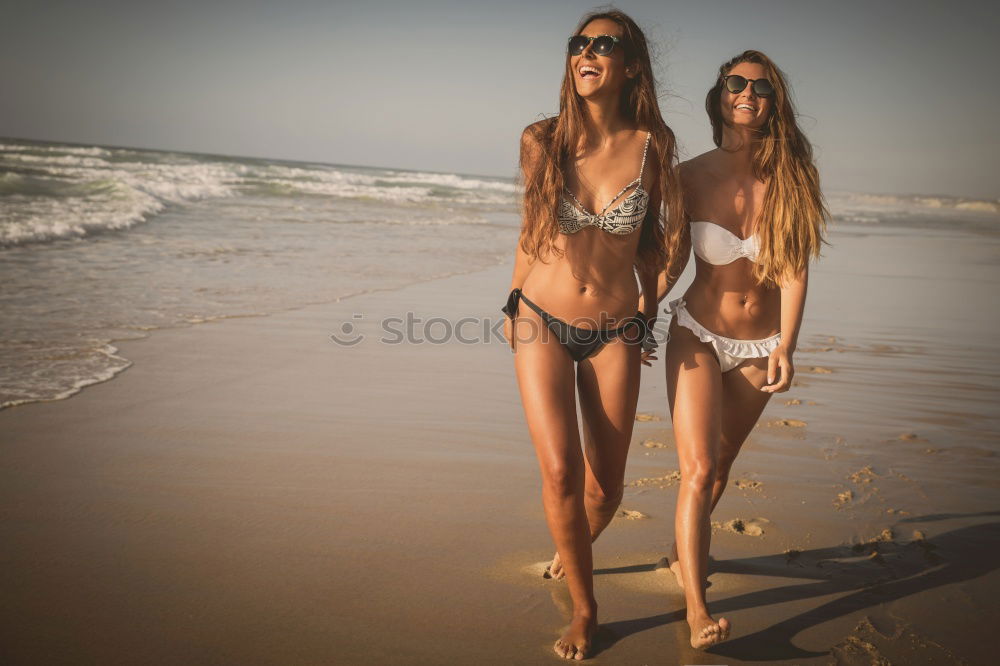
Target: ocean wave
{"x": 69, "y": 209}
{"x": 49, "y": 192}
{"x": 48, "y": 197}
{"x": 979, "y": 206}
{"x": 908, "y": 203}
{"x": 374, "y": 184}
{"x": 450, "y": 180}
{"x": 42, "y": 148}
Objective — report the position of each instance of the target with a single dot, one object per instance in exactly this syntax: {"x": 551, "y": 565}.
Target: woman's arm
{"x": 531, "y": 153}
{"x": 522, "y": 266}
{"x": 664, "y": 283}
{"x": 779, "y": 364}
{"x": 686, "y": 172}
{"x": 793, "y": 301}
{"x": 661, "y": 284}
{"x": 647, "y": 282}
{"x": 656, "y": 285}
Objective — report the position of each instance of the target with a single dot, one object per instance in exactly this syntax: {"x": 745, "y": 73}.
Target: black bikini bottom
{"x": 579, "y": 342}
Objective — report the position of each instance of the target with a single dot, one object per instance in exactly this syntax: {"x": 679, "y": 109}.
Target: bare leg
{"x": 694, "y": 391}
{"x": 546, "y": 379}
{"x": 743, "y": 402}
{"x": 608, "y": 383}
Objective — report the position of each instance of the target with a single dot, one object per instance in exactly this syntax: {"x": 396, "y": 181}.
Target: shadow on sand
{"x": 877, "y": 571}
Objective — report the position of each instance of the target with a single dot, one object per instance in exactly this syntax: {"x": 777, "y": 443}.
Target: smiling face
{"x": 596, "y": 76}
{"x": 745, "y": 108}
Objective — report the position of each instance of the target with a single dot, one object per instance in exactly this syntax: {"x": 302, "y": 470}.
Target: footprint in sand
{"x": 857, "y": 650}
{"x": 629, "y": 514}
{"x": 746, "y": 526}
{"x": 792, "y": 402}
{"x": 646, "y": 416}
{"x": 881, "y": 638}
{"x": 819, "y": 370}
{"x": 787, "y": 423}
{"x": 906, "y": 437}
{"x": 919, "y": 540}
{"x": 885, "y": 536}
{"x": 863, "y": 475}
{"x": 653, "y": 444}
{"x": 748, "y": 484}
{"x": 843, "y": 499}
{"x": 661, "y": 481}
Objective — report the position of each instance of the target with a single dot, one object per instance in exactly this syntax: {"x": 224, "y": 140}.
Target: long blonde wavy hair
{"x": 558, "y": 138}
{"x": 793, "y": 211}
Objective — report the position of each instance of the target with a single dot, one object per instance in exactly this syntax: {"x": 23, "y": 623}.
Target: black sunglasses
{"x": 603, "y": 44}
{"x": 735, "y": 84}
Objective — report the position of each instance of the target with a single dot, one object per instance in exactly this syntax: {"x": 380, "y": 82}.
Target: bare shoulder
{"x": 644, "y": 138}
{"x": 698, "y": 167}
{"x": 699, "y": 172}
{"x": 532, "y": 139}
{"x": 644, "y": 135}
{"x": 534, "y": 133}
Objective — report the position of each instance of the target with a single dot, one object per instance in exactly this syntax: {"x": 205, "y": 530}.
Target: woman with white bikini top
{"x": 717, "y": 246}
{"x": 757, "y": 218}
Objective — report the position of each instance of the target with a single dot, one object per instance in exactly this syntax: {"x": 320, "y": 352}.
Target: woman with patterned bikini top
{"x": 757, "y": 218}
{"x": 601, "y": 205}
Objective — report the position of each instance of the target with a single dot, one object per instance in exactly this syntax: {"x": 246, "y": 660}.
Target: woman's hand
{"x": 649, "y": 344}
{"x": 780, "y": 369}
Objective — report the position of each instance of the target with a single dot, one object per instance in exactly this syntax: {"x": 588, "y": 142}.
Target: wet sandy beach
{"x": 250, "y": 492}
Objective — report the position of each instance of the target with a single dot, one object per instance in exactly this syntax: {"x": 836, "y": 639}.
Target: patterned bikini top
{"x": 622, "y": 219}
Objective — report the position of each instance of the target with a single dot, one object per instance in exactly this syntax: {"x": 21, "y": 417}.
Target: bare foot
{"x": 575, "y": 642}
{"x": 555, "y": 570}
{"x": 675, "y": 565}
{"x": 705, "y": 631}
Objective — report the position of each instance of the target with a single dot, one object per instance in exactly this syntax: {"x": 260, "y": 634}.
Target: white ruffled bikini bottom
{"x": 730, "y": 352}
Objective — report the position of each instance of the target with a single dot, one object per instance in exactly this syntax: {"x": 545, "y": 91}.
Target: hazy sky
{"x": 897, "y": 97}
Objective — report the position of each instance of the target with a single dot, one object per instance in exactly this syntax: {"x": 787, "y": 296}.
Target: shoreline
{"x": 146, "y": 333}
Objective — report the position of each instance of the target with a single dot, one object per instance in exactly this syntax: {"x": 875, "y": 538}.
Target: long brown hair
{"x": 793, "y": 213}
{"x": 556, "y": 141}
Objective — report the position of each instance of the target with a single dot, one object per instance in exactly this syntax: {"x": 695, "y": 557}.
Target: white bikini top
{"x": 719, "y": 246}
{"x": 620, "y": 220}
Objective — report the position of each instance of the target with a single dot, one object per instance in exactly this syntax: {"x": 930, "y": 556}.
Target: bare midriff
{"x": 728, "y": 301}
{"x": 592, "y": 285}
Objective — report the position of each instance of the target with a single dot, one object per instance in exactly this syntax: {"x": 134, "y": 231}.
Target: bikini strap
{"x": 645, "y": 150}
